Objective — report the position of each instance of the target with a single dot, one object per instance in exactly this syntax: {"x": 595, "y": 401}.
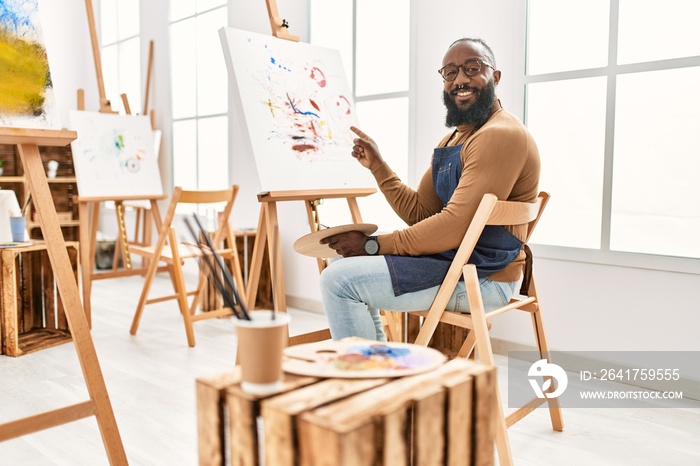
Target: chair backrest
{"x": 491, "y": 211}
{"x": 519, "y": 213}
{"x": 180, "y": 196}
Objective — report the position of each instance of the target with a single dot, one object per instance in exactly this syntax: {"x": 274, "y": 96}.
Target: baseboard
{"x": 305, "y": 304}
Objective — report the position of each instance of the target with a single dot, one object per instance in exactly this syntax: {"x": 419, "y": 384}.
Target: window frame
{"x": 604, "y": 255}
{"x": 408, "y": 94}
{"x": 116, "y": 102}
{"x": 197, "y": 117}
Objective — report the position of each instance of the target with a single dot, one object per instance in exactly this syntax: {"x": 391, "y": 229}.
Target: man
{"x": 489, "y": 151}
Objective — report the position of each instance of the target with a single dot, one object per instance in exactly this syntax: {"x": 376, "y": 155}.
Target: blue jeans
{"x": 354, "y": 289}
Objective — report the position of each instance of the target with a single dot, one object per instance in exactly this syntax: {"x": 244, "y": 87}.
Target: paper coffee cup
{"x": 260, "y": 344}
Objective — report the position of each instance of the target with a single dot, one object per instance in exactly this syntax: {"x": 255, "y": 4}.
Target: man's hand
{"x": 351, "y": 243}
{"x": 365, "y": 150}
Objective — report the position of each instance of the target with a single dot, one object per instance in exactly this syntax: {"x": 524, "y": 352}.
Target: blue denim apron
{"x": 496, "y": 247}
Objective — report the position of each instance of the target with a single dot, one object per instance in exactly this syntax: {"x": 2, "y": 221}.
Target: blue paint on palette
{"x": 381, "y": 357}
{"x": 380, "y": 350}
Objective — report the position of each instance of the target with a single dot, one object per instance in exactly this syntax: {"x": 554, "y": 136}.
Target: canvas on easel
{"x": 298, "y": 109}
{"x": 114, "y": 156}
{"x": 26, "y": 89}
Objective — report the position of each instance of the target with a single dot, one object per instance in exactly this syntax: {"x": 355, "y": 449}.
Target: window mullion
{"x": 606, "y": 210}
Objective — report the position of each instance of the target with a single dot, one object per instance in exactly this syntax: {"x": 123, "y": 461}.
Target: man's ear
{"x": 496, "y": 77}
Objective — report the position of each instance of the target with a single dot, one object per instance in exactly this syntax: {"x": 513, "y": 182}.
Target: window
{"x": 613, "y": 103}
{"x": 120, "y": 52}
{"x": 199, "y": 90}
{"x": 376, "y": 61}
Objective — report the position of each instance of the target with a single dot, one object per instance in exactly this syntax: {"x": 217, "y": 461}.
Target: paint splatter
{"x": 318, "y": 76}
{"x": 119, "y": 141}
{"x": 132, "y": 165}
{"x": 309, "y": 114}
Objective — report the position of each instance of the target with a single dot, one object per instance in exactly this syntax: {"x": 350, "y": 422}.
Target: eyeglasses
{"x": 470, "y": 68}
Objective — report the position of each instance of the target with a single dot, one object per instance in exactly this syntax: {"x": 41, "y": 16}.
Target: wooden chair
{"x": 173, "y": 252}
{"x": 491, "y": 211}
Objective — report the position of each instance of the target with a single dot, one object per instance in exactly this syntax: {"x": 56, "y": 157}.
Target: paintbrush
{"x": 224, "y": 270}
{"x": 26, "y": 204}
{"x": 228, "y": 287}
{"x": 228, "y": 299}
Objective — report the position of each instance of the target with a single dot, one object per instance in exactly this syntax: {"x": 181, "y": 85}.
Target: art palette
{"x": 310, "y": 245}
{"x": 353, "y": 358}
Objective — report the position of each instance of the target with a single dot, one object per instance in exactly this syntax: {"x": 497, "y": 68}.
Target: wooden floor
{"x": 151, "y": 382}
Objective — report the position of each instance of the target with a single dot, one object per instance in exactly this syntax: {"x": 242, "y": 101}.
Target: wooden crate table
{"x": 441, "y": 417}
{"x": 30, "y": 315}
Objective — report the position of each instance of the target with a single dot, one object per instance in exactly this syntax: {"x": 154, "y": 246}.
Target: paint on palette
{"x": 380, "y": 357}
{"x": 26, "y": 89}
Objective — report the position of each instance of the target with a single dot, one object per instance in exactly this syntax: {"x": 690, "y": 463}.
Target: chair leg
{"x": 555, "y": 413}
{"x": 483, "y": 345}
{"x": 144, "y": 296}
{"x": 554, "y": 406}
{"x": 392, "y": 325}
{"x": 180, "y": 289}
{"x": 152, "y": 269}
{"x": 468, "y": 346}
{"x": 201, "y": 283}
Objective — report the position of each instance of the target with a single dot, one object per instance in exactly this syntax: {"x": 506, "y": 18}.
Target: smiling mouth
{"x": 462, "y": 92}
{"x": 463, "y": 96}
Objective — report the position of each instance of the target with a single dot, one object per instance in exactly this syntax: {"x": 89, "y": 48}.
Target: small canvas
{"x": 298, "y": 109}
{"x": 26, "y": 90}
{"x": 114, "y": 156}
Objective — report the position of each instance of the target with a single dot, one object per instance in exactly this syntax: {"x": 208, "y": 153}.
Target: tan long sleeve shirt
{"x": 500, "y": 158}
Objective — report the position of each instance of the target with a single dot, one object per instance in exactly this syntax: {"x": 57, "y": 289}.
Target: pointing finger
{"x": 360, "y": 133}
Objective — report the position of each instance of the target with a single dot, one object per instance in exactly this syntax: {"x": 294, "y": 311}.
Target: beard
{"x": 476, "y": 114}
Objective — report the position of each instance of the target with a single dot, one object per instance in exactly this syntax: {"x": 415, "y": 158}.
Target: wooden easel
{"x": 89, "y": 212}
{"x": 105, "y": 105}
{"x": 99, "y": 404}
{"x": 268, "y": 235}
{"x": 89, "y": 208}
{"x": 280, "y": 27}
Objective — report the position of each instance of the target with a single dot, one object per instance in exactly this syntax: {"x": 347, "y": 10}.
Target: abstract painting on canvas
{"x": 26, "y": 90}
{"x": 114, "y": 156}
{"x": 298, "y": 111}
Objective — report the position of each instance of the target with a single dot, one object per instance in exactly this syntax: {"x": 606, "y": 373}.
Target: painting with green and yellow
{"x": 26, "y": 93}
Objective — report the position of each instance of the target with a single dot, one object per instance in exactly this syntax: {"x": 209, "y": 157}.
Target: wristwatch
{"x": 372, "y": 246}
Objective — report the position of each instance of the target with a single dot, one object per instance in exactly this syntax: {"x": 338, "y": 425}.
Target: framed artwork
{"x": 26, "y": 90}
{"x": 298, "y": 111}
{"x": 114, "y": 156}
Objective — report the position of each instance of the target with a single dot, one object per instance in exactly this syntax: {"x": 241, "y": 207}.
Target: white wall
{"x": 67, "y": 39}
